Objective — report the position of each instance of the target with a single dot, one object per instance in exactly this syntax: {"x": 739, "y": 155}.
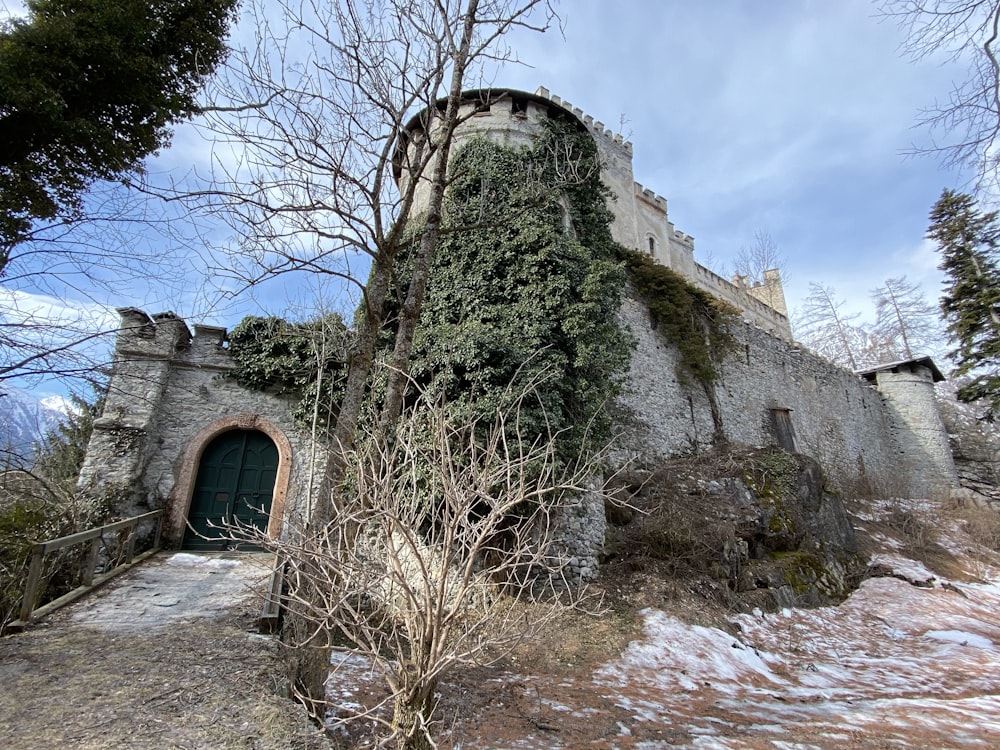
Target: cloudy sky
{"x": 785, "y": 116}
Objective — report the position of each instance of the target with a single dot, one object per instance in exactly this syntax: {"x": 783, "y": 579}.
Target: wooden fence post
{"x": 90, "y": 562}
{"x": 31, "y": 587}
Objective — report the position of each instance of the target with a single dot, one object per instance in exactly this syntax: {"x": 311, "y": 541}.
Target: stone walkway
{"x": 166, "y": 656}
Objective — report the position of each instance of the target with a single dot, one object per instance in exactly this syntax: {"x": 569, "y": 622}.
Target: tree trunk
{"x": 310, "y": 669}
{"x": 309, "y": 660}
{"x": 411, "y": 713}
{"x": 409, "y": 314}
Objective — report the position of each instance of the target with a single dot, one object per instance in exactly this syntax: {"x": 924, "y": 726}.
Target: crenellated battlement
{"x": 684, "y": 239}
{"x": 595, "y": 127}
{"x": 641, "y": 218}
{"x": 650, "y": 197}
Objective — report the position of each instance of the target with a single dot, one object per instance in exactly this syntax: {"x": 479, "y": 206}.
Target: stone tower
{"x": 641, "y": 221}
{"x": 925, "y": 453}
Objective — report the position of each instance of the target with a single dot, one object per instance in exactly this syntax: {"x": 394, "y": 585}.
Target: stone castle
{"x": 174, "y": 435}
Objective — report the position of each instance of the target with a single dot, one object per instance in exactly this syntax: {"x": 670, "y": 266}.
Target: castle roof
{"x": 903, "y": 364}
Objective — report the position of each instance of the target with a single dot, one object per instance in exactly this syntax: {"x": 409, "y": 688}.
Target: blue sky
{"x": 785, "y": 116}
{"x": 789, "y": 117}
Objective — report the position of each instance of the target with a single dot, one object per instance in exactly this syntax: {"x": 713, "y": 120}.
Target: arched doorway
{"x": 234, "y": 487}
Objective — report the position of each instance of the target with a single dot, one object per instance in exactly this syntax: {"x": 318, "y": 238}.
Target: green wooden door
{"x": 234, "y": 487}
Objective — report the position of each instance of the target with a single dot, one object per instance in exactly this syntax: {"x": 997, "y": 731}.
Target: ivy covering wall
{"x": 301, "y": 359}
{"x": 688, "y": 317}
{"x": 525, "y": 289}
{"x": 523, "y": 295}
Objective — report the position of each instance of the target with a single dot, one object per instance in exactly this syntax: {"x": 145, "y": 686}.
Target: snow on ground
{"x": 895, "y": 665}
{"x": 910, "y": 659}
{"x": 166, "y": 590}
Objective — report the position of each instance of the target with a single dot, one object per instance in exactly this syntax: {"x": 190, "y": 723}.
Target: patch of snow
{"x": 674, "y": 655}
{"x": 913, "y": 666}
{"x": 185, "y": 558}
{"x": 961, "y": 638}
{"x": 912, "y": 570}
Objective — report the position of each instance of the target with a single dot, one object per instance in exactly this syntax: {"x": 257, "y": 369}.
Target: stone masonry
{"x": 167, "y": 399}
{"x": 877, "y": 431}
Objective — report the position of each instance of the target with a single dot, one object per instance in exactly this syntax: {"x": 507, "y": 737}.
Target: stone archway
{"x": 180, "y": 499}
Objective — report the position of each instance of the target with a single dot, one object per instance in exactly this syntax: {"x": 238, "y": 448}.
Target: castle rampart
{"x": 169, "y": 395}
{"x": 641, "y": 221}
{"x": 863, "y": 440}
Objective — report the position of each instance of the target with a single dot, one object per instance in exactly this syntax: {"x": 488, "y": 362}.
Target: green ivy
{"x": 525, "y": 289}
{"x": 301, "y": 359}
{"x": 524, "y": 293}
{"x": 691, "y": 319}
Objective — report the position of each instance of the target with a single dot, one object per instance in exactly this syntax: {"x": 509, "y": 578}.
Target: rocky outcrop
{"x": 975, "y": 444}
{"x": 760, "y": 522}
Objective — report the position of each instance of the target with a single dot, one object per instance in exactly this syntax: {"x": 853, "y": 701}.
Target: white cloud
{"x": 39, "y": 310}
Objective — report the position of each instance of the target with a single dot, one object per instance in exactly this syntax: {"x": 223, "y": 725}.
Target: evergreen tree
{"x": 968, "y": 241}
{"x": 60, "y": 456}
{"x": 88, "y": 89}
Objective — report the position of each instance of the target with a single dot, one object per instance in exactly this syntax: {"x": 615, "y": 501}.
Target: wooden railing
{"x": 270, "y": 616}
{"x": 88, "y": 578}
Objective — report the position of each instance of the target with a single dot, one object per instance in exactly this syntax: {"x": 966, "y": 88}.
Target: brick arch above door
{"x": 180, "y": 498}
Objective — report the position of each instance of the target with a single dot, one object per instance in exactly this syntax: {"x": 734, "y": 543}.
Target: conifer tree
{"x": 88, "y": 89}
{"x": 968, "y": 240}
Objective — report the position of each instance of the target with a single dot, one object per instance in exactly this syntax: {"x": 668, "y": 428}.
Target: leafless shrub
{"x": 32, "y": 510}
{"x": 446, "y": 535}
{"x": 681, "y": 531}
{"x": 910, "y": 526}
{"x": 982, "y": 526}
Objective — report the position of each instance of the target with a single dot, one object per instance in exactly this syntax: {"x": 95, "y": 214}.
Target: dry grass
{"x": 981, "y": 525}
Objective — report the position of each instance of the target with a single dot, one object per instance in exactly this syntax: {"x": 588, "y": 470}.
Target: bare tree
{"x": 455, "y": 559}
{"x": 905, "y": 317}
{"x": 760, "y": 267}
{"x": 967, "y": 31}
{"x": 55, "y": 320}
{"x": 313, "y": 124}
{"x": 312, "y": 128}
{"x": 828, "y": 330}
{"x": 761, "y": 255}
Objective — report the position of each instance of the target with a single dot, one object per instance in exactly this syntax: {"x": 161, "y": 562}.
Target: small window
{"x": 519, "y": 107}
{"x": 652, "y": 245}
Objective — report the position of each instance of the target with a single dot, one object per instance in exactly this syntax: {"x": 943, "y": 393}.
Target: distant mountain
{"x": 24, "y": 421}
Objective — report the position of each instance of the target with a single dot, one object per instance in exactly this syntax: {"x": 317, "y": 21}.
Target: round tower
{"x": 921, "y": 439}
{"x": 504, "y": 116}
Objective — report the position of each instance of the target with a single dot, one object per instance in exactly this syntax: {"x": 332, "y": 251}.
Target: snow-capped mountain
{"x": 24, "y": 421}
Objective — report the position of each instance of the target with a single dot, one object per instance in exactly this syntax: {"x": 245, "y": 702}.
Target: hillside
{"x": 910, "y": 658}
{"x": 670, "y": 657}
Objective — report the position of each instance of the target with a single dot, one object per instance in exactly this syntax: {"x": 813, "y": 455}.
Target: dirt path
{"x": 167, "y": 656}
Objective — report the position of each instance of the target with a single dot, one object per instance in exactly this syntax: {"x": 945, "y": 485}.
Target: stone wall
{"x": 641, "y": 220}
{"x": 642, "y": 223}
{"x": 579, "y": 528}
{"x": 836, "y": 417}
{"x": 167, "y": 399}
